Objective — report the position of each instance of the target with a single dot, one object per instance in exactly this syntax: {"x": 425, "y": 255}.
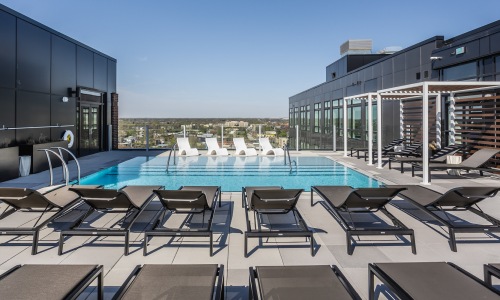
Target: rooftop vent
{"x": 356, "y": 47}
{"x": 390, "y": 50}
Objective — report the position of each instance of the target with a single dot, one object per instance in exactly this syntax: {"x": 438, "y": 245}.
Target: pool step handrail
{"x": 170, "y": 154}
{"x": 74, "y": 157}
{"x": 64, "y": 165}
{"x": 287, "y": 152}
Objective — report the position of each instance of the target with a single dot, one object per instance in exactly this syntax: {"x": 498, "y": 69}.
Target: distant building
{"x": 236, "y": 124}
{"x": 472, "y": 56}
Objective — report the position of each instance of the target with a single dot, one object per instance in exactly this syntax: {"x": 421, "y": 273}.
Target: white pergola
{"x": 422, "y": 90}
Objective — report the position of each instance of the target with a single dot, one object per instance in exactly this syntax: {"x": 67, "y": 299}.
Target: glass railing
{"x": 162, "y": 134}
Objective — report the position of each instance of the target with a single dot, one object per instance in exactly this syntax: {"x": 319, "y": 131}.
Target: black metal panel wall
{"x": 84, "y": 67}
{"x": 7, "y": 116}
{"x": 38, "y": 67}
{"x": 33, "y": 66}
{"x": 100, "y": 73}
{"x": 32, "y": 109}
{"x": 60, "y": 116}
{"x": 63, "y": 66}
{"x": 7, "y": 51}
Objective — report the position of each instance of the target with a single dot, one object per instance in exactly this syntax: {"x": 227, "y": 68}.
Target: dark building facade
{"x": 50, "y": 83}
{"x": 474, "y": 55}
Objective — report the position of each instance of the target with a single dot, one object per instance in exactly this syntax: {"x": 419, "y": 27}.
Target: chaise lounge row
{"x": 415, "y": 280}
{"x": 239, "y": 144}
{"x": 343, "y": 202}
{"x": 412, "y": 155}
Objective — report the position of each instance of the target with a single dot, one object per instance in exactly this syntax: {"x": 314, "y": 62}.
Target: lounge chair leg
{"x": 312, "y": 246}
{"x": 390, "y": 166}
{"x": 34, "y": 248}
{"x": 245, "y": 247}
{"x": 402, "y": 169}
{"x": 61, "y": 244}
{"x": 480, "y": 172}
{"x": 126, "y": 243}
{"x": 412, "y": 171}
{"x": 413, "y": 245}
{"x": 311, "y": 197}
{"x": 453, "y": 242}
{"x": 100, "y": 287}
{"x": 145, "y": 248}
{"x": 371, "y": 284}
{"x": 350, "y": 247}
{"x": 211, "y": 244}
{"x": 487, "y": 277}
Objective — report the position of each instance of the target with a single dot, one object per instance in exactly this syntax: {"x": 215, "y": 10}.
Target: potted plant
{"x": 9, "y": 160}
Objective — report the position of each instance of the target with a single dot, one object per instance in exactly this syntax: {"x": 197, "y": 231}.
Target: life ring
{"x": 69, "y": 137}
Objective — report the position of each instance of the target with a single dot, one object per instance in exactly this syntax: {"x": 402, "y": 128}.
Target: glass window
{"x": 328, "y": 118}
{"x": 302, "y": 118}
{"x": 460, "y": 72}
{"x": 307, "y": 117}
{"x": 497, "y": 64}
{"x": 290, "y": 117}
{"x": 355, "y": 122}
{"x": 317, "y": 117}
{"x": 296, "y": 117}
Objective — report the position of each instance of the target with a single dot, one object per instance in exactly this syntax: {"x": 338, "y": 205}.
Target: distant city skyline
{"x": 239, "y": 59}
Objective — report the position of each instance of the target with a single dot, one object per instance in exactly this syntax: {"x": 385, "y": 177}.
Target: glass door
{"x": 90, "y": 141}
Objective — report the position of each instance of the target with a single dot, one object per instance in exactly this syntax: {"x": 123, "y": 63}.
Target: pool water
{"x": 231, "y": 173}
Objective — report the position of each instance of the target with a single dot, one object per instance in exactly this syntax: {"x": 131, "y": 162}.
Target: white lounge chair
{"x": 267, "y": 148}
{"x": 184, "y": 147}
{"x": 242, "y": 149}
{"x": 213, "y": 147}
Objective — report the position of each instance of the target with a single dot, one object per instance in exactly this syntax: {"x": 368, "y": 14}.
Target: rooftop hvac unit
{"x": 356, "y": 47}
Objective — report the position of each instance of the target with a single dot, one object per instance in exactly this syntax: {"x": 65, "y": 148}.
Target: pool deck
{"x": 474, "y": 250}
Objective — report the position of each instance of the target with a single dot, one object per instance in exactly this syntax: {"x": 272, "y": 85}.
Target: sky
{"x": 236, "y": 58}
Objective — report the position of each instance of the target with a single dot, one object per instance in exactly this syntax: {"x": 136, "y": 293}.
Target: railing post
{"x": 334, "y": 138}
{"x": 297, "y": 137}
{"x": 147, "y": 137}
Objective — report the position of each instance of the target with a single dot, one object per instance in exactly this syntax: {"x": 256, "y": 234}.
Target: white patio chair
{"x": 267, "y": 148}
{"x": 213, "y": 147}
{"x": 242, "y": 149}
{"x": 184, "y": 147}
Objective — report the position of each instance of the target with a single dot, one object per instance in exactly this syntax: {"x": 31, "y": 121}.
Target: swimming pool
{"x": 231, "y": 173}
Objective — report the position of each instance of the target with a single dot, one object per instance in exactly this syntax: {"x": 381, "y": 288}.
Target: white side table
{"x": 453, "y": 160}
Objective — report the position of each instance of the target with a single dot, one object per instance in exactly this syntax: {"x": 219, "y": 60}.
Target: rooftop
{"x": 474, "y": 250}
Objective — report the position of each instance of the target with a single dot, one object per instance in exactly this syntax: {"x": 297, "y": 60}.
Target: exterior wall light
{"x": 64, "y": 99}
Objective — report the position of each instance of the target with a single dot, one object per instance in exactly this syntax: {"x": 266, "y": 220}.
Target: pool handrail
{"x": 74, "y": 157}
{"x": 64, "y": 165}
{"x": 170, "y": 154}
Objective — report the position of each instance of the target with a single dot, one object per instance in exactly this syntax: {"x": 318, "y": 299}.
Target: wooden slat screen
{"x": 412, "y": 120}
{"x": 477, "y": 124}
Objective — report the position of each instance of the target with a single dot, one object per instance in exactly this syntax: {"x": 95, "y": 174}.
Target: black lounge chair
{"x": 429, "y": 281}
{"x": 300, "y": 282}
{"x": 50, "y": 281}
{"x": 411, "y": 150}
{"x": 345, "y": 199}
{"x": 275, "y": 201}
{"x": 247, "y": 192}
{"x": 475, "y": 162}
{"x": 438, "y": 158}
{"x": 386, "y": 148}
{"x": 131, "y": 200}
{"x": 189, "y": 200}
{"x": 435, "y": 204}
{"x": 489, "y": 271}
{"x": 56, "y": 201}
{"x": 177, "y": 282}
